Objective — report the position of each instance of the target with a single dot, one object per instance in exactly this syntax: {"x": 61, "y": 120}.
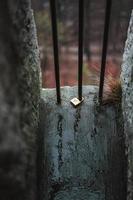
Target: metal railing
{"x": 55, "y": 48}
{"x": 80, "y": 48}
{"x": 105, "y": 45}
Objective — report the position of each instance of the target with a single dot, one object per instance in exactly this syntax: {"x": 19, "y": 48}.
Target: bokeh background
{"x": 67, "y": 12}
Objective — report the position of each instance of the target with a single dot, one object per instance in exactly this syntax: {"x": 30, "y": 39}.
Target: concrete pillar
{"x": 127, "y": 104}
{"x": 19, "y": 100}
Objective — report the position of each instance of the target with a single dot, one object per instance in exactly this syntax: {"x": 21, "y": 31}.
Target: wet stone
{"x": 79, "y": 147}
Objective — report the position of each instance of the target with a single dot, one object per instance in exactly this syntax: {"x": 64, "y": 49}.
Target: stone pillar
{"x": 19, "y": 100}
{"x": 127, "y": 103}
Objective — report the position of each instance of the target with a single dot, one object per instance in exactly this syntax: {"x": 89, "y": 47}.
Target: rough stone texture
{"x": 127, "y": 100}
{"x": 28, "y": 76}
{"x": 82, "y": 148}
{"x": 19, "y": 99}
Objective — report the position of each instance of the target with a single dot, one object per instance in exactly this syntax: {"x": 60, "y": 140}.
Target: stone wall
{"x": 127, "y": 101}
{"x": 83, "y": 148}
{"x": 19, "y": 100}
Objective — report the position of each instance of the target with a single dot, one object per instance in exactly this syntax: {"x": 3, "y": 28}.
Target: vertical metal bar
{"x": 80, "y": 47}
{"x": 55, "y": 48}
{"x": 105, "y": 45}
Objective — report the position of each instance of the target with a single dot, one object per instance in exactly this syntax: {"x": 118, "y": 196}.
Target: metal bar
{"x": 55, "y": 48}
{"x": 105, "y": 46}
{"x": 80, "y": 47}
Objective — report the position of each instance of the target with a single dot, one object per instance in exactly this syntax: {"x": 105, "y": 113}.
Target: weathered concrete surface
{"x": 19, "y": 100}
{"x": 28, "y": 84}
{"x": 83, "y": 148}
{"x": 127, "y": 100}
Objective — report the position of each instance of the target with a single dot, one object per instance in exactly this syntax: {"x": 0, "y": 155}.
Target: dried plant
{"x": 112, "y": 90}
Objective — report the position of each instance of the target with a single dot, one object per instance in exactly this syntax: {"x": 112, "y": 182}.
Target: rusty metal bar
{"x": 55, "y": 48}
{"x": 105, "y": 46}
{"x": 80, "y": 47}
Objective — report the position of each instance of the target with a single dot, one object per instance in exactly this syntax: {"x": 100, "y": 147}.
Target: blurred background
{"x": 67, "y": 12}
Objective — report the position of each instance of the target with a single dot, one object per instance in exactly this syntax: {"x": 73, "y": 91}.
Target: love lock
{"x": 76, "y": 102}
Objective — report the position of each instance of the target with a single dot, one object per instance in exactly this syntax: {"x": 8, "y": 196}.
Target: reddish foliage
{"x": 68, "y": 73}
